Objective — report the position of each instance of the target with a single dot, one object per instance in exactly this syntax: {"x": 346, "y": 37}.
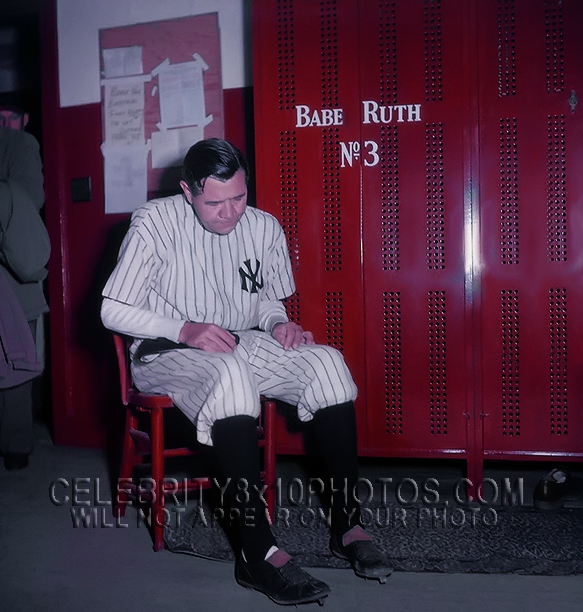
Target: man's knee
{"x": 234, "y": 376}
{"x": 228, "y": 364}
{"x": 328, "y": 356}
{"x": 331, "y": 375}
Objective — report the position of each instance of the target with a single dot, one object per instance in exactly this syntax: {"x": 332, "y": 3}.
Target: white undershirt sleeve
{"x": 137, "y": 322}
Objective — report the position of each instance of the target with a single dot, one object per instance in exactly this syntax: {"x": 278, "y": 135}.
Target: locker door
{"x": 531, "y": 198}
{"x": 418, "y": 351}
{"x": 306, "y": 103}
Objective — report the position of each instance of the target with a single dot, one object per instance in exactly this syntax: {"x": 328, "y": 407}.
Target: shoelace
{"x": 294, "y": 574}
{"x": 367, "y": 551}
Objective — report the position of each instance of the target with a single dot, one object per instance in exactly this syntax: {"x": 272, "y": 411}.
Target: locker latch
{"x": 573, "y": 100}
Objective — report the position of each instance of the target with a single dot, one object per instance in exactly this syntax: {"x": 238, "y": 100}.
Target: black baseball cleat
{"x": 557, "y": 487}
{"x": 281, "y": 580}
{"x": 362, "y": 553}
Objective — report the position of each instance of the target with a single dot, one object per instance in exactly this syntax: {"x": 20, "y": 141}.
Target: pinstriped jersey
{"x": 171, "y": 265}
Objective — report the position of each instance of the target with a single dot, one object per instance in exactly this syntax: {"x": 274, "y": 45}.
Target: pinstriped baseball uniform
{"x": 172, "y": 270}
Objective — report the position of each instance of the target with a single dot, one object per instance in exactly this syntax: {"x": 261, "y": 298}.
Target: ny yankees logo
{"x": 251, "y": 276}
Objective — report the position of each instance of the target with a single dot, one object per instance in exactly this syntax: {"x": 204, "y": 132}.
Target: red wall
{"x": 85, "y": 242}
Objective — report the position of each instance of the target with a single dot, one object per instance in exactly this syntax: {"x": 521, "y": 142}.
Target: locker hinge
{"x": 573, "y": 101}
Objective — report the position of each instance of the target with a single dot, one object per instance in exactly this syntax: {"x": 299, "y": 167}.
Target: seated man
{"x": 205, "y": 271}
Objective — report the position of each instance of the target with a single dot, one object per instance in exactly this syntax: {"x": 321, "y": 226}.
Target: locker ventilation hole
{"x": 286, "y": 55}
{"x": 288, "y": 186}
{"x": 434, "y": 178}
{"x": 334, "y": 320}
{"x": 510, "y": 362}
{"x": 292, "y": 306}
{"x": 393, "y": 364}
{"x": 509, "y": 221}
{"x": 506, "y": 48}
{"x": 330, "y": 146}
{"x": 555, "y": 45}
{"x": 387, "y": 53}
{"x": 332, "y": 207}
{"x": 436, "y": 303}
{"x": 558, "y": 361}
{"x": 433, "y": 47}
{"x": 556, "y": 189}
{"x": 389, "y": 169}
{"x": 329, "y": 53}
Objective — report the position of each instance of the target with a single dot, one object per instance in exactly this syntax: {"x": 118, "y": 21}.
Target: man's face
{"x": 220, "y": 205}
{"x": 13, "y": 119}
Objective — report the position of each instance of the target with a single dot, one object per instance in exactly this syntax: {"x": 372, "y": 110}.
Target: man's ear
{"x": 186, "y": 191}
{"x": 25, "y": 120}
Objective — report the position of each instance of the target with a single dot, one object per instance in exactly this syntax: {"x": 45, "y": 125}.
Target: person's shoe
{"x": 280, "y": 579}
{"x": 557, "y": 487}
{"x": 16, "y": 461}
{"x": 357, "y": 547}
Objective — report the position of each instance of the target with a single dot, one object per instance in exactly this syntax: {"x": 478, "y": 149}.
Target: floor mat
{"x": 415, "y": 538}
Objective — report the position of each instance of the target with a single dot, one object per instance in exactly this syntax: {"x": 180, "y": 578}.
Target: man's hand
{"x": 208, "y": 337}
{"x": 291, "y": 335}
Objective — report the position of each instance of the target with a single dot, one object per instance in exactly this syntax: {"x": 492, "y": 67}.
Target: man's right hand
{"x": 207, "y": 337}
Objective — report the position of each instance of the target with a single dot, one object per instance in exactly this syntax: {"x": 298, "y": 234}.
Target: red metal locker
{"x": 305, "y": 65}
{"x": 416, "y": 322}
{"x": 434, "y": 229}
{"x": 531, "y": 211}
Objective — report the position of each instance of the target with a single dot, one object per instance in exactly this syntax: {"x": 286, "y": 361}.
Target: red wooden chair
{"x": 140, "y": 445}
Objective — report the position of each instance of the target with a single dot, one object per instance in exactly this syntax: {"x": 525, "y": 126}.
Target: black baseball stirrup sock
{"x": 334, "y": 437}
{"x": 237, "y": 454}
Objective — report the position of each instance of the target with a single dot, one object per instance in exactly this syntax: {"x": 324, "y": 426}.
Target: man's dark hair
{"x": 13, "y": 101}
{"x": 213, "y": 158}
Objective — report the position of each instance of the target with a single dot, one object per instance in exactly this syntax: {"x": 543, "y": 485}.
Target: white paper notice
{"x": 181, "y": 93}
{"x": 123, "y": 61}
{"x": 123, "y": 109}
{"x": 126, "y": 177}
{"x": 170, "y": 146}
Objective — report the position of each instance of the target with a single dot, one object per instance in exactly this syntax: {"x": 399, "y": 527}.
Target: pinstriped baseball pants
{"x": 211, "y": 386}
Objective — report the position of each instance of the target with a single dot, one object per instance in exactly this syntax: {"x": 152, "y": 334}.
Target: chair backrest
{"x": 123, "y": 362}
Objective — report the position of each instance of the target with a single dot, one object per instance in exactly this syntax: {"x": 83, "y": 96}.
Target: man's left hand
{"x": 290, "y": 335}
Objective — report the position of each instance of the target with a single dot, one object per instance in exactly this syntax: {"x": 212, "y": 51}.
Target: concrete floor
{"x": 48, "y": 565}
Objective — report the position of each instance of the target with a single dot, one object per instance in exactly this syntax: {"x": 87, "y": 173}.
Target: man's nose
{"x": 228, "y": 210}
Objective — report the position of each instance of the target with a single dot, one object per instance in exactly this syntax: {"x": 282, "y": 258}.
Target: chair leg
{"x": 269, "y": 456}
{"x": 158, "y": 506}
{"x": 128, "y": 460}
{"x": 158, "y": 502}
